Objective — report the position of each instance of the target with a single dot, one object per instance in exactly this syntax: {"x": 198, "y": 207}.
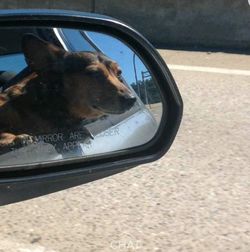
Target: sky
{"x": 13, "y": 62}
{"x": 121, "y": 53}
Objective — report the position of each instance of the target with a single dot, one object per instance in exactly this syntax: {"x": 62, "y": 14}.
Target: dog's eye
{"x": 119, "y": 74}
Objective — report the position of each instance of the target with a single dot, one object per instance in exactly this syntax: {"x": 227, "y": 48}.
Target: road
{"x": 196, "y": 198}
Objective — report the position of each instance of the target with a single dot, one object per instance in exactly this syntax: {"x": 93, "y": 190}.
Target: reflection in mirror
{"x": 68, "y": 93}
{"x": 135, "y": 72}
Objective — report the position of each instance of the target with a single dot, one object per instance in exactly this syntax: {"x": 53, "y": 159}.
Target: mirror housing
{"x": 24, "y": 182}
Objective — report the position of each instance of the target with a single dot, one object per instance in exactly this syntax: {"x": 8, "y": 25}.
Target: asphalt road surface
{"x": 196, "y": 198}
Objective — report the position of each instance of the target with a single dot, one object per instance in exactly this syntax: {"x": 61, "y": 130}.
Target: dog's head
{"x": 90, "y": 81}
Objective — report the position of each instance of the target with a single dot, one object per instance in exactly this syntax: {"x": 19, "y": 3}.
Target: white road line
{"x": 209, "y": 70}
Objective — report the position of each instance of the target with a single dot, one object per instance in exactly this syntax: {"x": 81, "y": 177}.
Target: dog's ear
{"x": 39, "y": 54}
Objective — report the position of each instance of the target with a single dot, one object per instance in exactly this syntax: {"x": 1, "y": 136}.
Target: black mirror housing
{"x": 21, "y": 182}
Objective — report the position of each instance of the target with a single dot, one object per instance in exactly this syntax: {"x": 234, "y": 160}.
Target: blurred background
{"x": 196, "y": 24}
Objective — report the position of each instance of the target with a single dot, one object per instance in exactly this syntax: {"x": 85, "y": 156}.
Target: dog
{"x": 62, "y": 89}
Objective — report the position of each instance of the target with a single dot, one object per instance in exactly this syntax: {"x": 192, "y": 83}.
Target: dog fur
{"x": 63, "y": 89}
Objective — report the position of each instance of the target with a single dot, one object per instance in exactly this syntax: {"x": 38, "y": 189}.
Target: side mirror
{"x": 86, "y": 97}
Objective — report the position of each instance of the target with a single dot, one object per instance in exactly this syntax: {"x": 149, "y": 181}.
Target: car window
{"x": 107, "y": 111}
{"x": 74, "y": 40}
{"x": 12, "y": 62}
{"x": 134, "y": 71}
{"x": 124, "y": 56}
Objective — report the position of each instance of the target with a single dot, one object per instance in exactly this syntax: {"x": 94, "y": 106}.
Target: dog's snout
{"x": 128, "y": 99}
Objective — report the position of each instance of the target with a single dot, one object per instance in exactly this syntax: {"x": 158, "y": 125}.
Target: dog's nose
{"x": 128, "y": 100}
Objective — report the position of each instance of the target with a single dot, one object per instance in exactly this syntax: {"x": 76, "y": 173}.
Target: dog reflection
{"x": 63, "y": 89}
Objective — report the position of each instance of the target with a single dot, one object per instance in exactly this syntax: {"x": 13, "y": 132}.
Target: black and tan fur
{"x": 63, "y": 89}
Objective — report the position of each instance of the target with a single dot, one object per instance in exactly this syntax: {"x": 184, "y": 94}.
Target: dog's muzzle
{"x": 127, "y": 100}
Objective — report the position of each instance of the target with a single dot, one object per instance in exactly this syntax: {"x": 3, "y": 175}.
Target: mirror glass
{"x": 70, "y": 94}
